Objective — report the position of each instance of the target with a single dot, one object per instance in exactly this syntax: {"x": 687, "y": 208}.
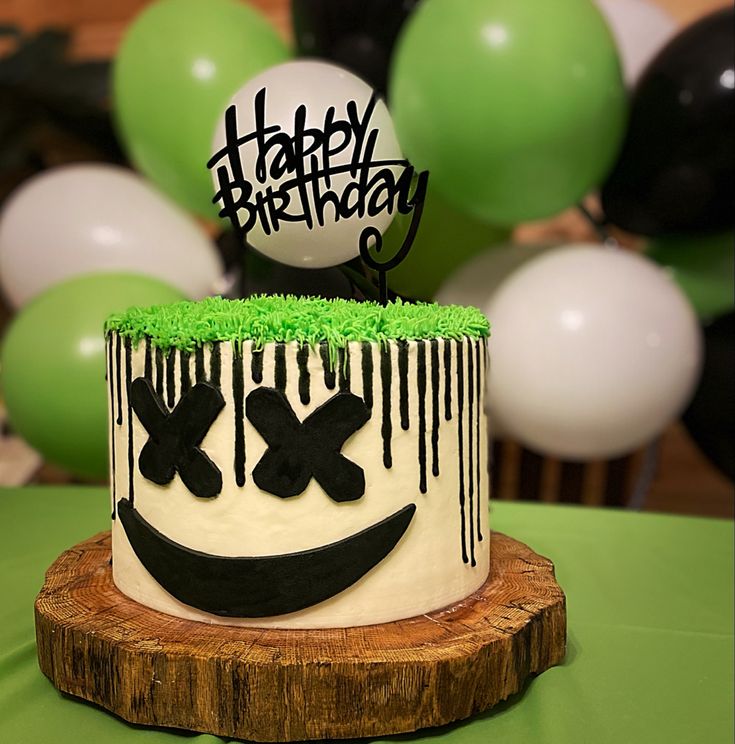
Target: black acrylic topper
{"x": 174, "y": 438}
{"x": 306, "y": 194}
{"x": 299, "y": 451}
{"x": 371, "y": 237}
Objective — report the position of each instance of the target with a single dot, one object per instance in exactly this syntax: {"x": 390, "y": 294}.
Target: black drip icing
{"x": 215, "y": 364}
{"x": 460, "y": 434}
{"x": 470, "y": 448}
{"x": 367, "y": 373}
{"x": 148, "y": 364}
{"x": 403, "y": 383}
{"x": 129, "y": 379}
{"x": 170, "y": 377}
{"x": 343, "y": 369}
{"x": 480, "y": 380}
{"x": 184, "y": 373}
{"x": 386, "y": 429}
{"x": 110, "y": 378}
{"x": 118, "y": 373}
{"x": 199, "y": 373}
{"x": 280, "y": 368}
{"x": 159, "y": 371}
{"x": 238, "y": 390}
{"x": 447, "y": 379}
{"x": 434, "y": 407}
{"x": 330, "y": 380}
{"x": 256, "y": 366}
{"x": 421, "y": 380}
{"x": 302, "y": 360}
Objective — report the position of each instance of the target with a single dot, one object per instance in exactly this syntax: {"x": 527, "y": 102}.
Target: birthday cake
{"x": 298, "y": 463}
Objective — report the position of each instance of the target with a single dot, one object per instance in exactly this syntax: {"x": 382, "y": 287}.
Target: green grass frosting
{"x": 267, "y": 318}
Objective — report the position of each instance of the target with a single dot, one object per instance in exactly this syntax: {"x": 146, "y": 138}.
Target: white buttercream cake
{"x": 298, "y": 463}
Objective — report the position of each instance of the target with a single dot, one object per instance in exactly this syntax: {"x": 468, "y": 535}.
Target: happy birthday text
{"x": 303, "y": 166}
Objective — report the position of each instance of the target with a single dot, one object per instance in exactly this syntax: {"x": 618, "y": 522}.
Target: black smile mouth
{"x": 260, "y": 586}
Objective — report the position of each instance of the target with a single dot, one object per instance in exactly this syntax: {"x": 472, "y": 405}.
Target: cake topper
{"x": 308, "y": 170}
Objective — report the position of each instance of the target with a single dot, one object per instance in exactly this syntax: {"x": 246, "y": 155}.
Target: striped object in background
{"x": 518, "y": 474}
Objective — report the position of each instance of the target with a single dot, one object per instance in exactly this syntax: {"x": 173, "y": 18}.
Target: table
{"x": 650, "y": 603}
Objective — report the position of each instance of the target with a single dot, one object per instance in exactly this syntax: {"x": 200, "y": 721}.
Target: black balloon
{"x": 710, "y": 418}
{"x": 676, "y": 170}
{"x": 357, "y": 34}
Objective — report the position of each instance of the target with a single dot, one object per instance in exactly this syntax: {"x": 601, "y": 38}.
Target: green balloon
{"x": 516, "y": 107}
{"x": 446, "y": 239}
{"x": 52, "y": 366}
{"x": 177, "y": 68}
{"x": 703, "y": 267}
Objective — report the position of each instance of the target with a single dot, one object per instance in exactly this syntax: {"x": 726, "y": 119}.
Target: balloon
{"x": 640, "y": 30}
{"x": 676, "y": 170}
{"x": 86, "y": 218}
{"x": 446, "y": 239}
{"x": 177, "y": 66}
{"x": 710, "y": 417}
{"x": 476, "y": 281}
{"x": 252, "y": 274}
{"x": 516, "y": 108}
{"x": 53, "y": 366}
{"x": 320, "y": 87}
{"x": 703, "y": 267}
{"x": 593, "y": 352}
{"x": 356, "y": 34}
{"x": 262, "y": 276}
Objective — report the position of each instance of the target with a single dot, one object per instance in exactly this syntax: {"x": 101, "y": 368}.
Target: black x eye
{"x": 174, "y": 438}
{"x": 299, "y": 451}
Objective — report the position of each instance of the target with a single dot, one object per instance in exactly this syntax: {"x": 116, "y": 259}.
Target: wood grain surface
{"x": 279, "y": 685}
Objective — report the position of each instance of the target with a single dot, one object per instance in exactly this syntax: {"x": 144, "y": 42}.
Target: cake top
{"x": 266, "y": 318}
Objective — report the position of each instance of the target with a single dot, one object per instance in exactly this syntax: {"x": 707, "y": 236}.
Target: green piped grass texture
{"x": 311, "y": 320}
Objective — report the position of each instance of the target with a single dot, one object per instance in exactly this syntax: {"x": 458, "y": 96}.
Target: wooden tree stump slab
{"x": 290, "y": 685}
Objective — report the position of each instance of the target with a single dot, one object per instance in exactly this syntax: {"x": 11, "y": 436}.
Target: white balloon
{"x": 86, "y": 218}
{"x": 593, "y": 352}
{"x": 640, "y": 30}
{"x": 319, "y": 87}
{"x": 477, "y": 280}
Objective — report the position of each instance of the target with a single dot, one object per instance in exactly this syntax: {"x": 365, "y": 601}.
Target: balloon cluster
{"x": 594, "y": 351}
{"x": 517, "y": 109}
{"x": 78, "y": 243}
{"x": 520, "y": 110}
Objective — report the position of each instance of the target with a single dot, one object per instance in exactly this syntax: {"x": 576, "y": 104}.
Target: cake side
{"x": 377, "y": 492}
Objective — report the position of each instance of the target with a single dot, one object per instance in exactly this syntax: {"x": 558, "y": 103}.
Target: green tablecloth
{"x": 650, "y": 602}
